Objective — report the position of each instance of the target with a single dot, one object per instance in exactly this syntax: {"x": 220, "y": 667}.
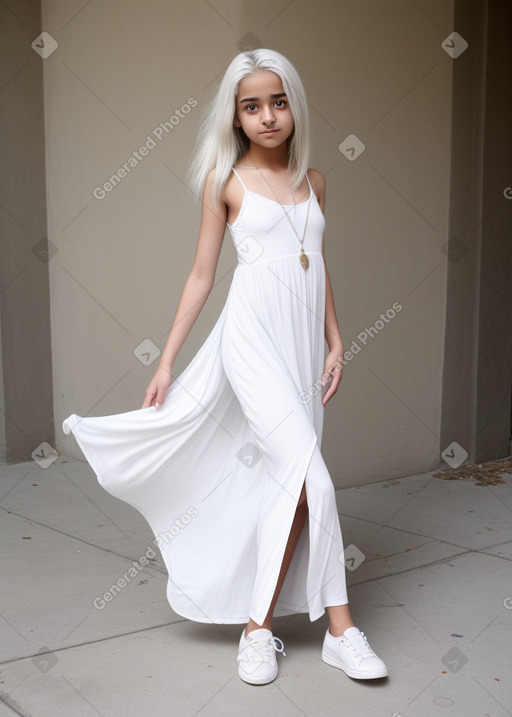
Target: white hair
{"x": 220, "y": 144}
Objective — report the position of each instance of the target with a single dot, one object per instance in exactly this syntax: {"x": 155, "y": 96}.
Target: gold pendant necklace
{"x": 303, "y": 257}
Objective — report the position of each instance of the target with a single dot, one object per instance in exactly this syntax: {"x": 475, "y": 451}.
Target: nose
{"x": 267, "y": 115}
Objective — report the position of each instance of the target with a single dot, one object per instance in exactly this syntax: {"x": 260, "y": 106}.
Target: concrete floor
{"x": 430, "y": 585}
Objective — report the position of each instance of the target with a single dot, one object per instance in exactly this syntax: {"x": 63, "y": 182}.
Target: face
{"x": 262, "y": 109}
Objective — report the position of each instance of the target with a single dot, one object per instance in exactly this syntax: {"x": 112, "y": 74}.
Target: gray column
{"x": 477, "y": 375}
{"x": 25, "y": 343}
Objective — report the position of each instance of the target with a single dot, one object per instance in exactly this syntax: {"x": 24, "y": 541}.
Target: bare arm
{"x": 332, "y": 330}
{"x": 333, "y": 367}
{"x": 195, "y": 292}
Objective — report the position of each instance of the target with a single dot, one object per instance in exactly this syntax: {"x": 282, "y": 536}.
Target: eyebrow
{"x": 256, "y": 99}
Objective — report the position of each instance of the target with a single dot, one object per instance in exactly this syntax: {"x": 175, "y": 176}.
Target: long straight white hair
{"x": 220, "y": 144}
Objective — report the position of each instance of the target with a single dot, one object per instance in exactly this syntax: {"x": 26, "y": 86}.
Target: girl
{"x": 225, "y": 462}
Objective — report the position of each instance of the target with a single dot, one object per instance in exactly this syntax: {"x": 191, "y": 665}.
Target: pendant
{"x": 304, "y": 259}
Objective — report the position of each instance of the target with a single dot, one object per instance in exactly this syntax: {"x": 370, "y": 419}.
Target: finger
{"x": 328, "y": 395}
{"x": 326, "y": 376}
{"x": 160, "y": 397}
{"x": 337, "y": 372}
{"x": 332, "y": 389}
{"x": 148, "y": 398}
{"x": 336, "y": 381}
{"x": 337, "y": 367}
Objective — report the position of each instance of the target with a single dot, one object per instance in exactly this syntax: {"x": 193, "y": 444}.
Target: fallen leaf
{"x": 488, "y": 473}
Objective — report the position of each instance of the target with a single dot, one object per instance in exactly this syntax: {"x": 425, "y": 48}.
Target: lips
{"x": 270, "y": 131}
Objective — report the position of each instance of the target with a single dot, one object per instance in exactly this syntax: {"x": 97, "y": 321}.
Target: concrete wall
{"x": 494, "y": 391}
{"x": 477, "y": 382}
{"x": 376, "y": 70}
{"x": 26, "y": 396}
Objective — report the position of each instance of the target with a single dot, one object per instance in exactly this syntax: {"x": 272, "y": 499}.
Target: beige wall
{"x": 373, "y": 69}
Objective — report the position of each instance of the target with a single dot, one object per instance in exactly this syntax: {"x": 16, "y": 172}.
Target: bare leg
{"x": 296, "y": 529}
{"x": 339, "y": 619}
{"x": 339, "y": 615}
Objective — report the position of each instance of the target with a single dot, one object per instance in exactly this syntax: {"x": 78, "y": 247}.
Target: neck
{"x": 275, "y": 158}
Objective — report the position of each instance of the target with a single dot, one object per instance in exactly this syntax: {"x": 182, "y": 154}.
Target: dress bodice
{"x": 261, "y": 230}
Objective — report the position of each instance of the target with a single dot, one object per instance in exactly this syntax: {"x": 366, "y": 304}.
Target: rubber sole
{"x": 256, "y": 681}
{"x": 356, "y": 674}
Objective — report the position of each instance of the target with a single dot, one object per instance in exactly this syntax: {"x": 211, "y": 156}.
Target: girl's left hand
{"x": 333, "y": 371}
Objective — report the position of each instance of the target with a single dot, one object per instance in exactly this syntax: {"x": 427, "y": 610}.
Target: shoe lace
{"x": 275, "y": 640}
{"x": 259, "y": 649}
{"x": 359, "y": 645}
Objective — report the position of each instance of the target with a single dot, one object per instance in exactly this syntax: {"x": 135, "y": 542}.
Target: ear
{"x": 236, "y": 122}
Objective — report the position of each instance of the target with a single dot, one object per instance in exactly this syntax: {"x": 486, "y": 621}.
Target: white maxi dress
{"x": 218, "y": 469}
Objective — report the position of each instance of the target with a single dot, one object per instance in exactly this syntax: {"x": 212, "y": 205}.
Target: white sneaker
{"x": 257, "y": 662}
{"x": 352, "y": 653}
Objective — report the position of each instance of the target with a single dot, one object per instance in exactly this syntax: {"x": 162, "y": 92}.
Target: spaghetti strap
{"x": 240, "y": 178}
{"x": 247, "y": 190}
{"x": 310, "y": 187}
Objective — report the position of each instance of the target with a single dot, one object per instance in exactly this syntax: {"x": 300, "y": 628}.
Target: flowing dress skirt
{"x": 217, "y": 471}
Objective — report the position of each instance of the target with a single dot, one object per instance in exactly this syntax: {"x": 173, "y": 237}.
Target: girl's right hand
{"x": 155, "y": 392}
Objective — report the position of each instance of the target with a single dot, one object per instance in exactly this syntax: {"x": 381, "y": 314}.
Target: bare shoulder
{"x": 208, "y": 182}
{"x": 232, "y": 195}
{"x": 228, "y": 186}
{"x": 210, "y": 178}
{"x": 208, "y": 204}
{"x": 317, "y": 180}
{"x": 208, "y": 187}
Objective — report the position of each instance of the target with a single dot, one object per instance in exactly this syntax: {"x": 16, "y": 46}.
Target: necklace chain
{"x": 303, "y": 257}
